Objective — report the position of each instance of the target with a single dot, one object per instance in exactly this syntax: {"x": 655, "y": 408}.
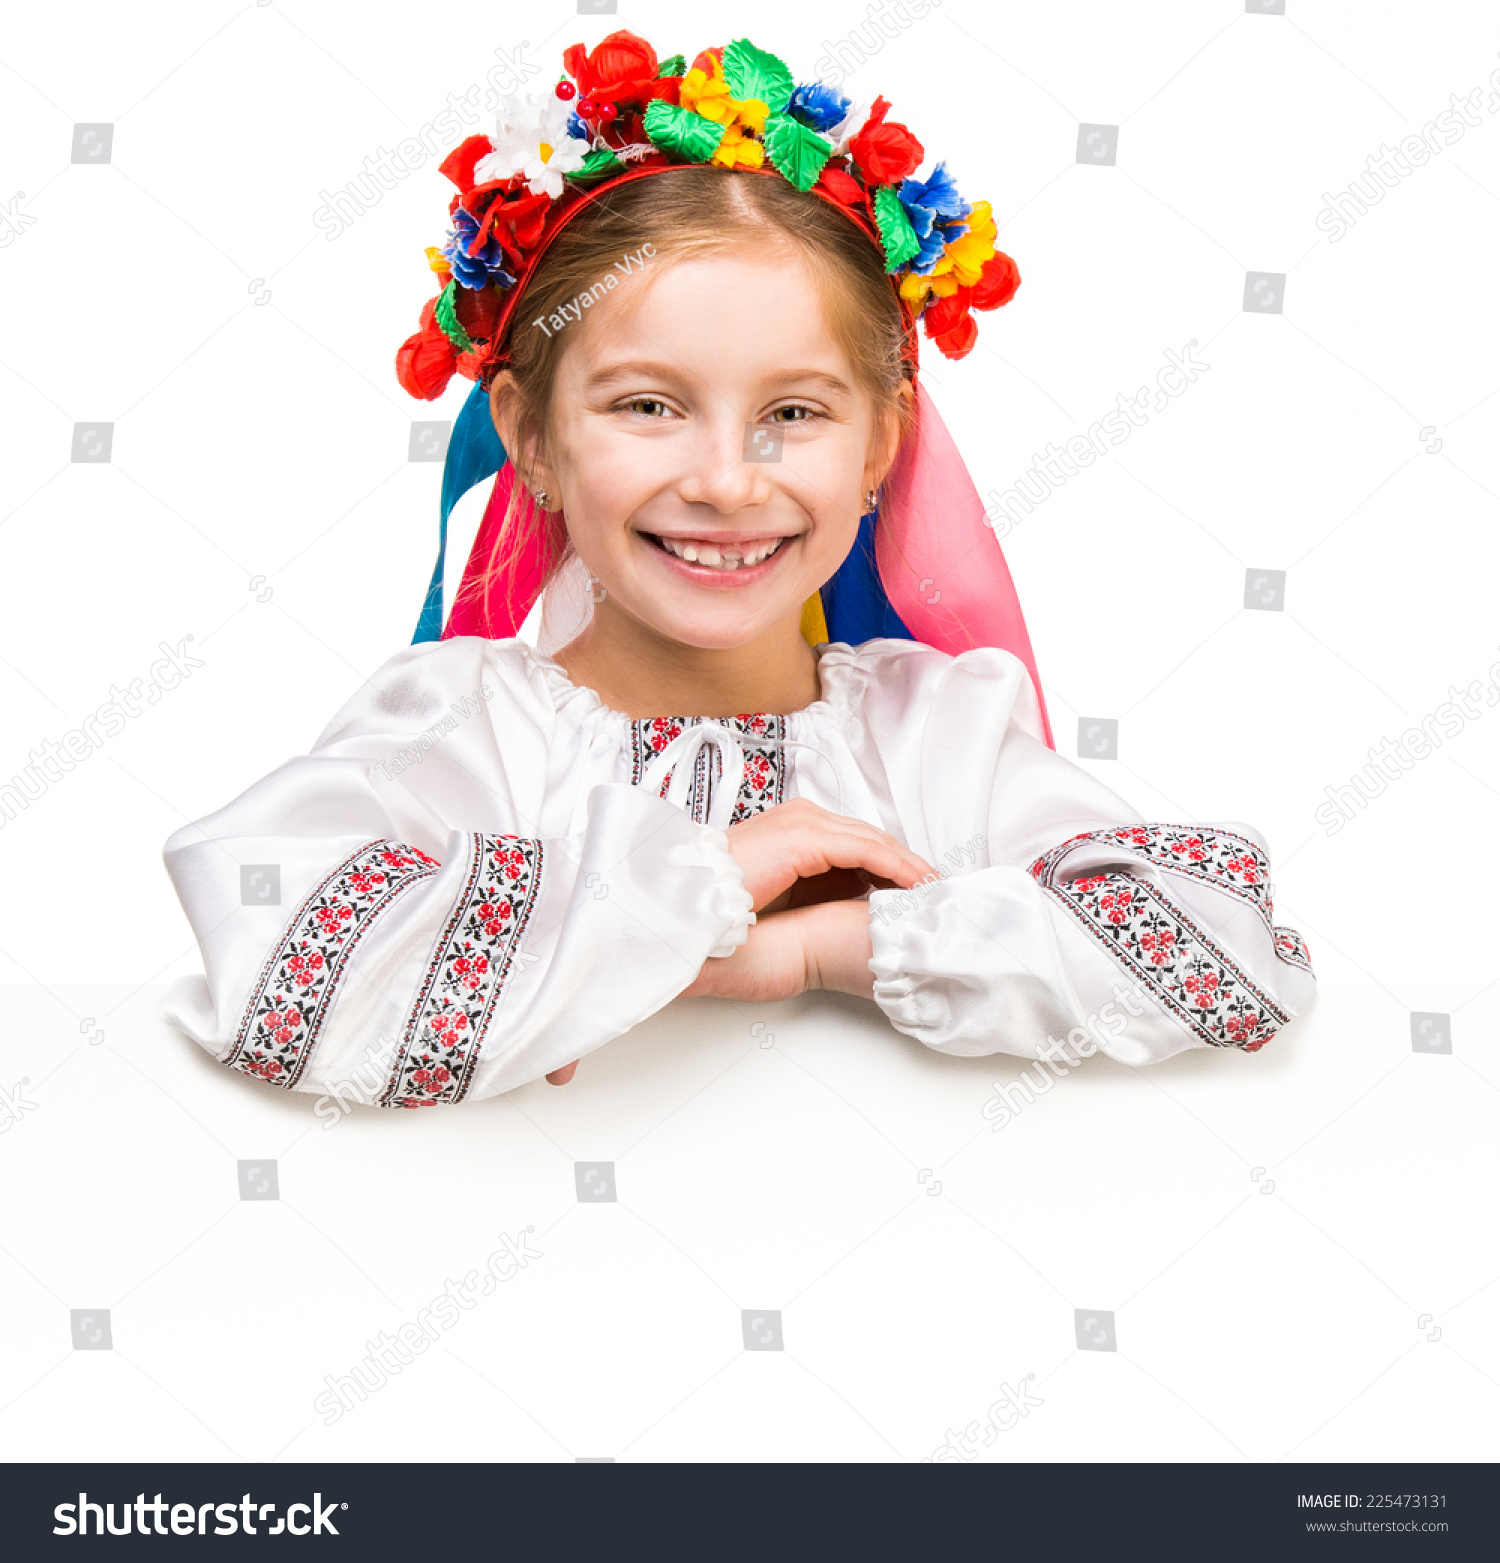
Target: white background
{"x": 1271, "y": 1232}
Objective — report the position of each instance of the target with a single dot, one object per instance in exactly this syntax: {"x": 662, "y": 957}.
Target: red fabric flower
{"x": 620, "y": 69}
{"x": 478, "y": 310}
{"x": 515, "y": 218}
{"x": 949, "y": 324}
{"x": 459, "y": 163}
{"x": 882, "y": 152}
{"x": 999, "y": 278}
{"x": 842, "y": 186}
{"x": 426, "y": 360}
{"x": 958, "y": 342}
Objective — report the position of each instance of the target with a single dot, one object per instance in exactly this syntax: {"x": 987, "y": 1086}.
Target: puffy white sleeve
{"x": 384, "y": 920}
{"x": 1057, "y": 913}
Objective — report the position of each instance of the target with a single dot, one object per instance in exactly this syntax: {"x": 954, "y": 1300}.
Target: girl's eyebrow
{"x": 818, "y": 377}
{"x": 645, "y": 368}
{"x": 631, "y": 369}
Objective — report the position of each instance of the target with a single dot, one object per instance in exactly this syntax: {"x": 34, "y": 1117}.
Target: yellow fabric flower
{"x": 709, "y": 96}
{"x": 704, "y": 95}
{"x": 437, "y": 261}
{"x": 751, "y": 113}
{"x": 966, "y": 256}
{"x": 737, "y": 150}
{"x": 914, "y": 289}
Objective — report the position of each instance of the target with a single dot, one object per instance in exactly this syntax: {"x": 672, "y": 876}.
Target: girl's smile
{"x": 721, "y": 559}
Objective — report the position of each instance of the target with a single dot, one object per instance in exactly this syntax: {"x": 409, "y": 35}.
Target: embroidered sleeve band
{"x": 1154, "y": 938}
{"x": 300, "y": 979}
{"x": 474, "y": 955}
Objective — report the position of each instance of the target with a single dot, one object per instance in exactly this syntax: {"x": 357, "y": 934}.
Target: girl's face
{"x": 711, "y": 445}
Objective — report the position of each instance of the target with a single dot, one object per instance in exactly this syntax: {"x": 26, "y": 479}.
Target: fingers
{"x": 800, "y": 840}
{"x": 563, "y": 1075}
{"x": 854, "y": 844}
{"x": 842, "y": 842}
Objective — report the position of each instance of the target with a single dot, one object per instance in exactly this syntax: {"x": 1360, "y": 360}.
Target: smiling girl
{"x": 789, "y": 735}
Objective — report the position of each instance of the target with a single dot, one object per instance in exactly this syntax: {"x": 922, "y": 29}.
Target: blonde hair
{"x": 680, "y": 212}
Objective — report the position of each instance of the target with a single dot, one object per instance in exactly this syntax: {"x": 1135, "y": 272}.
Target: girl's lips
{"x": 716, "y": 576}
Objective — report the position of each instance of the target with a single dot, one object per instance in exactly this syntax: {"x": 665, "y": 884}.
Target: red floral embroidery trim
{"x": 1218, "y": 857}
{"x": 471, "y": 960}
{"x": 297, "y": 984}
{"x": 1221, "y": 858}
{"x": 1174, "y": 959}
{"x": 1292, "y": 948}
{"x": 765, "y": 771}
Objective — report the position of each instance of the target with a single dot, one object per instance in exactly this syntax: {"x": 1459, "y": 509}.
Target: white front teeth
{"x": 712, "y": 558}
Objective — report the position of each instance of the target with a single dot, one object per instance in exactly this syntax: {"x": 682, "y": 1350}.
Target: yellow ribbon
{"x": 814, "y": 624}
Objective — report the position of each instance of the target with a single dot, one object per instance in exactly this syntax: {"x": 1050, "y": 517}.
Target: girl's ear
{"x": 886, "y": 440}
{"x": 520, "y": 449}
{"x": 502, "y": 407}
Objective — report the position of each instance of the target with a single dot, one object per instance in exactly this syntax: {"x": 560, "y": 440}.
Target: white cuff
{"x": 734, "y": 908}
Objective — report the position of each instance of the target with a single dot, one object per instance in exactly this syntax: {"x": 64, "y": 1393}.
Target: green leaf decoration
{"x": 752, "y": 73}
{"x": 799, "y": 152}
{"x": 597, "y": 165}
{"x": 681, "y": 131}
{"x": 897, "y": 236}
{"x": 676, "y": 66}
{"x": 445, "y": 312}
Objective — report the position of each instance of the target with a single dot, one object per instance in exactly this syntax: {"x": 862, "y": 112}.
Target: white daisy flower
{"x": 531, "y": 138}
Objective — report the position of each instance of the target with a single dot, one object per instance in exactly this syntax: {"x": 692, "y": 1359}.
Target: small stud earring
{"x": 541, "y": 497}
{"x": 871, "y": 500}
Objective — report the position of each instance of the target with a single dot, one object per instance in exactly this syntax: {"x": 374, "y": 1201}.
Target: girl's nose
{"x": 721, "y": 469}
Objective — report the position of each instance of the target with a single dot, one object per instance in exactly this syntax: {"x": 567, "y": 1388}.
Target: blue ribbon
{"x": 854, "y": 602}
{"x": 474, "y": 454}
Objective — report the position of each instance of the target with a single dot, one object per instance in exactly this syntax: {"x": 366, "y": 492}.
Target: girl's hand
{"x": 799, "y": 840}
{"x": 838, "y": 949}
{"x": 819, "y": 946}
{"x": 787, "y": 953}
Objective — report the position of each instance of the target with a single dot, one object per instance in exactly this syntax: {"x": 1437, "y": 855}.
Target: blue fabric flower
{"x": 578, "y": 129}
{"x": 817, "y": 105}
{"x": 937, "y": 192}
{"x": 473, "y": 271}
{"x": 936, "y": 211}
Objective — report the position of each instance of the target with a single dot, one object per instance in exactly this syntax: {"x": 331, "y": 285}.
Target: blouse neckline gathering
{"x": 585, "y": 704}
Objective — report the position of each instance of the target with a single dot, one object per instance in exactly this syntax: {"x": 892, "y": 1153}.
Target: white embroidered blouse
{"x": 481, "y": 873}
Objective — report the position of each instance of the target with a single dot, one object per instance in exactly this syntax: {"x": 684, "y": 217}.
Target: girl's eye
{"x": 805, "y": 412}
{"x": 653, "y": 407}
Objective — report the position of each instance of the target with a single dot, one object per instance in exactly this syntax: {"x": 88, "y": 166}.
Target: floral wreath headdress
{"x": 931, "y": 571}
